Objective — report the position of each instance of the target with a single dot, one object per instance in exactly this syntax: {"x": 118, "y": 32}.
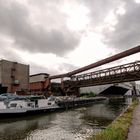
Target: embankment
{"x": 118, "y": 129}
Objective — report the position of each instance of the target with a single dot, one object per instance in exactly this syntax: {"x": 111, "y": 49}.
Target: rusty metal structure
{"x": 99, "y": 63}
{"x": 118, "y": 74}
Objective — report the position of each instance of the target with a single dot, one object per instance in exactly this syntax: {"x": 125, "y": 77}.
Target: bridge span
{"x": 112, "y": 76}
{"x": 118, "y": 74}
{"x": 99, "y": 63}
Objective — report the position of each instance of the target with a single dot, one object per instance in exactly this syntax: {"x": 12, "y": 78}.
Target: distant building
{"x": 13, "y": 76}
{"x": 37, "y": 83}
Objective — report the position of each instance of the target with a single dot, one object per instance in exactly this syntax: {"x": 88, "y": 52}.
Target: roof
{"x": 46, "y": 74}
{"x": 4, "y": 60}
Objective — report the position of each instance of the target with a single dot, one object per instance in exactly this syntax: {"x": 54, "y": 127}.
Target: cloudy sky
{"x": 57, "y": 36}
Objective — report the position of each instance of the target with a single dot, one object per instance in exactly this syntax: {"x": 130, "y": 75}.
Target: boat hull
{"x": 8, "y": 113}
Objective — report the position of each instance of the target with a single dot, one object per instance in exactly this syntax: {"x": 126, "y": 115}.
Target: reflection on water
{"x": 76, "y": 124}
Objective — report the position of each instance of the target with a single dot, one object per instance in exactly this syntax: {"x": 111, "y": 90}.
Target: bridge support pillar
{"x": 134, "y": 92}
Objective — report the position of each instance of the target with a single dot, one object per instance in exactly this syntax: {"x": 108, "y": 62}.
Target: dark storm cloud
{"x": 126, "y": 33}
{"x": 14, "y": 21}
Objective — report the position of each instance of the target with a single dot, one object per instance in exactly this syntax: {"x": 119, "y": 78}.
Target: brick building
{"x": 13, "y": 76}
{"x": 37, "y": 83}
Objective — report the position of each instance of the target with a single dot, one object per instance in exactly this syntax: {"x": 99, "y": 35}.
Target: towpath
{"x": 134, "y": 130}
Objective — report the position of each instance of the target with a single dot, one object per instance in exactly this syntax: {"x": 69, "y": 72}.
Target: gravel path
{"x": 134, "y": 130}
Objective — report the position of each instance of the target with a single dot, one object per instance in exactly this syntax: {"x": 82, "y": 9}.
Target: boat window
{"x": 51, "y": 99}
{"x": 13, "y": 105}
{"x": 29, "y": 104}
{"x": 32, "y": 98}
{"x": 49, "y": 103}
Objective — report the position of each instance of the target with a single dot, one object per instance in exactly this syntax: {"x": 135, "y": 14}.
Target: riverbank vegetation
{"x": 88, "y": 94}
{"x": 119, "y": 128}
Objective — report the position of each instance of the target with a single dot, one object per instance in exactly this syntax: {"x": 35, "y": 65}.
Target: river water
{"x": 75, "y": 124}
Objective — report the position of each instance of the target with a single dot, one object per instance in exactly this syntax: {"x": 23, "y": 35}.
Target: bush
{"x": 88, "y": 94}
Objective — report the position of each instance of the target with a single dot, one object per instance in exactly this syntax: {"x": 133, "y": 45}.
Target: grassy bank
{"x": 119, "y": 128}
{"x": 88, "y": 94}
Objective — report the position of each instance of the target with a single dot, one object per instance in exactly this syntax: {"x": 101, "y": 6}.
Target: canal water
{"x": 74, "y": 124}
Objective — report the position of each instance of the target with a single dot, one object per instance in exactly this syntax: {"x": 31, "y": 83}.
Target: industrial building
{"x": 37, "y": 83}
{"x": 14, "y": 77}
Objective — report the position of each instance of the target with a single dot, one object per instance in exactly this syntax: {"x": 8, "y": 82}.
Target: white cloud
{"x": 77, "y": 15}
{"x": 56, "y": 36}
{"x": 90, "y": 50}
{"x": 137, "y": 1}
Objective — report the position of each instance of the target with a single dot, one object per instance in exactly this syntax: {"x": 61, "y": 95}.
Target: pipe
{"x": 99, "y": 63}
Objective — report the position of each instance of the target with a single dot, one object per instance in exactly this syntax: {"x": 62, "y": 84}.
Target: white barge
{"x": 32, "y": 105}
{"x": 15, "y": 106}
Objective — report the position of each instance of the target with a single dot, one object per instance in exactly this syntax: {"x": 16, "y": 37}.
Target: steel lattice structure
{"x": 118, "y": 74}
{"x": 99, "y": 63}
{"x": 123, "y": 73}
